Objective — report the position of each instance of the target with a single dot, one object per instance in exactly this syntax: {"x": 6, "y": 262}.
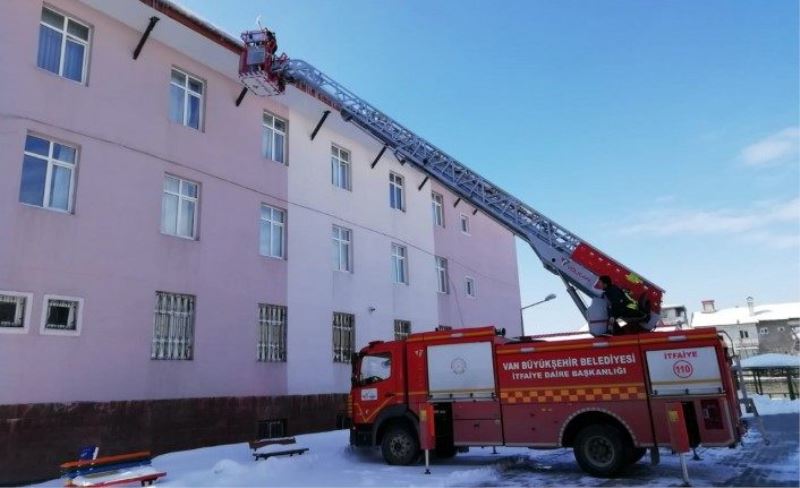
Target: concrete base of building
{"x": 36, "y": 438}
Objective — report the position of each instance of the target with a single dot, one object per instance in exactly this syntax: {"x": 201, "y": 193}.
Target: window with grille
{"x": 272, "y": 232}
{"x": 14, "y": 311}
{"x": 179, "y": 207}
{"x": 401, "y": 329}
{"x": 340, "y": 167}
{"x": 48, "y": 174}
{"x": 271, "y": 428}
{"x": 273, "y": 140}
{"x": 343, "y": 337}
{"x": 271, "y": 333}
{"x": 743, "y": 334}
{"x": 396, "y": 191}
{"x": 61, "y": 315}
{"x": 399, "y": 264}
{"x": 63, "y": 45}
{"x": 186, "y": 99}
{"x": 342, "y": 249}
{"x": 441, "y": 275}
{"x": 437, "y": 205}
{"x": 173, "y": 330}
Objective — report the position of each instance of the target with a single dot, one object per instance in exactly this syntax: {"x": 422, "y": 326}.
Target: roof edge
{"x": 195, "y": 23}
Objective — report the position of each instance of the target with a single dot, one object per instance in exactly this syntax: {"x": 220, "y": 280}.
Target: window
{"x": 343, "y": 337}
{"x": 441, "y": 275}
{"x": 61, "y": 315}
{"x": 179, "y": 207}
{"x": 437, "y": 203}
{"x": 781, "y": 329}
{"x": 763, "y": 331}
{"x": 375, "y": 368}
{"x": 48, "y": 174}
{"x": 396, "y": 192}
{"x": 273, "y": 141}
{"x": 272, "y": 235}
{"x": 271, "y": 428}
{"x": 15, "y": 311}
{"x": 464, "y": 224}
{"x": 743, "y": 334}
{"x": 342, "y": 249}
{"x": 399, "y": 264}
{"x": 173, "y": 330}
{"x": 340, "y": 167}
{"x": 469, "y": 287}
{"x": 63, "y": 45}
{"x": 271, "y": 333}
{"x": 402, "y": 328}
{"x": 186, "y": 99}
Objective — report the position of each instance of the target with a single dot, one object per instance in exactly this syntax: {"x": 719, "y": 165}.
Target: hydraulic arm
{"x": 563, "y": 253}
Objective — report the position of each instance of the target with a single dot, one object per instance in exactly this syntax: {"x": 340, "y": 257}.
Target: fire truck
{"x": 606, "y": 397}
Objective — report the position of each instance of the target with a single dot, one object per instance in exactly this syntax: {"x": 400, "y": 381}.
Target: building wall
{"x": 776, "y": 336}
{"x": 110, "y": 251}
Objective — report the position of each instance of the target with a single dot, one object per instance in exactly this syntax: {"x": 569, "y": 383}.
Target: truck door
{"x": 377, "y": 383}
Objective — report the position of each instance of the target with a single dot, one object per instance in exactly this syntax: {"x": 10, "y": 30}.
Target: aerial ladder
{"x": 576, "y": 262}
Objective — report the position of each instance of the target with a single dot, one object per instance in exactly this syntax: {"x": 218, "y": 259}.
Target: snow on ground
{"x": 771, "y": 360}
{"x": 331, "y": 462}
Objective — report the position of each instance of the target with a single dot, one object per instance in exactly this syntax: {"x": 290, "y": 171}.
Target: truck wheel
{"x": 601, "y": 450}
{"x": 399, "y": 446}
{"x": 634, "y": 454}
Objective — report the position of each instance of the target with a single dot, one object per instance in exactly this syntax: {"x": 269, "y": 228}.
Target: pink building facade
{"x": 165, "y": 248}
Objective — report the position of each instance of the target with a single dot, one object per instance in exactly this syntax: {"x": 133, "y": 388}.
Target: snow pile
{"x": 774, "y": 406}
{"x": 771, "y": 360}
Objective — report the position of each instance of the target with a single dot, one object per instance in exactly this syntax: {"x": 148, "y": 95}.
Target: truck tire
{"x": 601, "y": 450}
{"x": 399, "y": 446}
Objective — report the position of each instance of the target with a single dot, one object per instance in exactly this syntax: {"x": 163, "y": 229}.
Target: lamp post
{"x": 549, "y": 297}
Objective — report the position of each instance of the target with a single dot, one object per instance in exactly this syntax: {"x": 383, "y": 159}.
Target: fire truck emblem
{"x": 458, "y": 366}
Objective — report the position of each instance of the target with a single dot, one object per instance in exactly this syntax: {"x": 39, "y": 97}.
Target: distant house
{"x": 674, "y": 315}
{"x": 755, "y": 329}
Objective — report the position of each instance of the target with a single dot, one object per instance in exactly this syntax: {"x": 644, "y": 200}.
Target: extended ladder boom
{"x": 562, "y": 252}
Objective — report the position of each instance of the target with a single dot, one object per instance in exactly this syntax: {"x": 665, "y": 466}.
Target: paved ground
{"x": 752, "y": 464}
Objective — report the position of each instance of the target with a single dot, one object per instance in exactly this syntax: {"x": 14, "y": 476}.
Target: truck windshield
{"x": 375, "y": 368}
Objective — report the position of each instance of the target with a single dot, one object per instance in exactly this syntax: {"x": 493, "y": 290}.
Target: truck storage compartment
{"x": 461, "y": 371}
{"x": 474, "y": 432}
{"x": 467, "y": 410}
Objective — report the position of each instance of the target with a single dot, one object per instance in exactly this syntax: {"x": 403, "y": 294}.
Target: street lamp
{"x": 549, "y": 297}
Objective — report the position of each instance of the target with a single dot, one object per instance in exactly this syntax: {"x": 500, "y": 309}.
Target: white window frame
{"x": 342, "y": 354}
{"x": 43, "y": 330}
{"x": 398, "y": 326}
{"x": 464, "y": 219}
{"x": 63, "y": 30}
{"x": 48, "y": 178}
{"x": 341, "y": 158}
{"x": 399, "y": 264}
{"x": 26, "y": 321}
{"x": 437, "y": 205}
{"x": 272, "y": 333}
{"x": 268, "y": 123}
{"x": 342, "y": 237}
{"x": 442, "y": 275}
{"x": 763, "y": 331}
{"x": 274, "y": 224}
{"x": 781, "y": 328}
{"x": 397, "y": 191}
{"x": 188, "y": 92}
{"x": 470, "y": 289}
{"x": 181, "y": 198}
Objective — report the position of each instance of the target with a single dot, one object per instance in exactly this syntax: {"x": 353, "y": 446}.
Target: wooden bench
{"x": 111, "y": 470}
{"x": 276, "y": 447}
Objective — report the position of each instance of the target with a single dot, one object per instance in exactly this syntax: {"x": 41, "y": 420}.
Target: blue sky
{"x": 664, "y": 133}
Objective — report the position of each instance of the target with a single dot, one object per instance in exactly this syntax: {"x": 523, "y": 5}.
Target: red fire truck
{"x": 606, "y": 397}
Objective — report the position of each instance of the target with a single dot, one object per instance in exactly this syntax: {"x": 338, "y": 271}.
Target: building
{"x": 179, "y": 269}
{"x": 755, "y": 329}
{"x": 674, "y": 316}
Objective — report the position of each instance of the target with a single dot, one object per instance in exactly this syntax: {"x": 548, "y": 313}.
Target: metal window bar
{"x": 271, "y": 333}
{"x": 70, "y": 323}
{"x": 19, "y": 311}
{"x": 343, "y": 337}
{"x": 402, "y": 328}
{"x": 173, "y": 329}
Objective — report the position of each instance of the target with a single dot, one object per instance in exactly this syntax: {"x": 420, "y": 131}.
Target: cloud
{"x": 778, "y": 148}
{"x": 763, "y": 222}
